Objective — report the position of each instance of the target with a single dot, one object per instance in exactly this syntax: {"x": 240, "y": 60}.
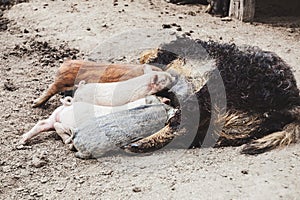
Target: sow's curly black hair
{"x": 262, "y": 98}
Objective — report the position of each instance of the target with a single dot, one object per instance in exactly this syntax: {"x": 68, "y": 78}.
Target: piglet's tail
{"x": 67, "y": 101}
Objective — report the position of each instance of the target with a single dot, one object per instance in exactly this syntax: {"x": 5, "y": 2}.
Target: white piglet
{"x": 120, "y": 93}
{"x": 71, "y": 114}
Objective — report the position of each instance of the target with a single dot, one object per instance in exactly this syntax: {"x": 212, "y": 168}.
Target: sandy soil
{"x": 40, "y": 34}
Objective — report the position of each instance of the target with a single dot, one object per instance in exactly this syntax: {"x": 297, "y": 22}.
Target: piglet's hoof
{"x": 21, "y": 144}
{"x": 22, "y": 141}
{"x": 36, "y": 103}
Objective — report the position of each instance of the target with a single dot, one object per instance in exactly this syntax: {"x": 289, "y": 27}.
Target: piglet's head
{"x": 160, "y": 81}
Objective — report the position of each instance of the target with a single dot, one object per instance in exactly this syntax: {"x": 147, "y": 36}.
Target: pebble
{"x": 226, "y": 19}
{"x": 60, "y": 188}
{"x": 22, "y": 147}
{"x": 290, "y": 30}
{"x": 44, "y": 180}
{"x": 136, "y": 189}
{"x": 81, "y": 181}
{"x": 37, "y": 162}
{"x": 166, "y": 26}
{"x": 8, "y": 85}
{"x": 33, "y": 193}
{"x": 6, "y": 169}
{"x": 39, "y": 195}
{"x": 191, "y": 13}
{"x": 20, "y": 189}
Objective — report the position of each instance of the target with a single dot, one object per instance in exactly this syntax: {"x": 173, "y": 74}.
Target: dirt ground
{"x": 40, "y": 34}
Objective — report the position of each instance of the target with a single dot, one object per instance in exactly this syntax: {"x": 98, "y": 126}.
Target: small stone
{"x": 22, "y": 147}
{"x": 7, "y": 115}
{"x": 33, "y": 193}
{"x": 44, "y": 180}
{"x": 244, "y": 172}
{"x": 6, "y": 169}
{"x": 166, "y": 26}
{"x": 192, "y": 13}
{"x": 26, "y": 31}
{"x": 226, "y": 19}
{"x": 290, "y": 30}
{"x": 137, "y": 189}
{"x": 38, "y": 163}
{"x": 88, "y": 29}
{"x": 60, "y": 188}
{"x": 20, "y": 189}
{"x": 8, "y": 85}
{"x": 179, "y": 29}
{"x": 81, "y": 181}
{"x": 39, "y": 195}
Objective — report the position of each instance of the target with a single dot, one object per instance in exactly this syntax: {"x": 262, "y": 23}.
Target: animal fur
{"x": 262, "y": 98}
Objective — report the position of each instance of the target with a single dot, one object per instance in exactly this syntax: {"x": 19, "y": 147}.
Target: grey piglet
{"x": 102, "y": 134}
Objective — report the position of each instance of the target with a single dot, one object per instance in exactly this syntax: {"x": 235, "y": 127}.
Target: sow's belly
{"x": 101, "y": 134}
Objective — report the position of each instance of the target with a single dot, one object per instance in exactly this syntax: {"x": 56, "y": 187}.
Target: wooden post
{"x": 242, "y": 9}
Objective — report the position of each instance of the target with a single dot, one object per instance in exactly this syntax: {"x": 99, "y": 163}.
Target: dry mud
{"x": 36, "y": 36}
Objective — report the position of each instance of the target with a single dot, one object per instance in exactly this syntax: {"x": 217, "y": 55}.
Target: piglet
{"x": 102, "y": 134}
{"x": 73, "y": 71}
{"x": 72, "y": 114}
{"x": 120, "y": 93}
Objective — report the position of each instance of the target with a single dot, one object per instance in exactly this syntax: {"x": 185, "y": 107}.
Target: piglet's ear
{"x": 154, "y": 79}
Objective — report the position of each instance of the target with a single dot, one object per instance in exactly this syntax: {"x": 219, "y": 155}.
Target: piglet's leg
{"x": 62, "y": 132}
{"x": 41, "y": 126}
{"x": 52, "y": 90}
